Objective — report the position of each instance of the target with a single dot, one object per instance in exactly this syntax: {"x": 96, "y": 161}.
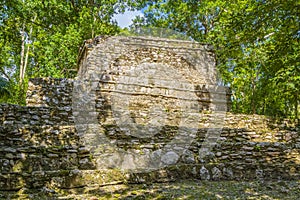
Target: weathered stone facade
{"x": 73, "y": 133}
{"x": 138, "y": 91}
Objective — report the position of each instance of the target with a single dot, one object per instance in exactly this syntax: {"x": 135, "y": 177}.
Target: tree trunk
{"x": 22, "y": 54}
{"x": 296, "y": 108}
{"x": 27, "y": 52}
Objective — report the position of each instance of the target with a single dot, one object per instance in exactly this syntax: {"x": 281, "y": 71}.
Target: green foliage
{"x": 153, "y": 32}
{"x": 42, "y": 38}
{"x": 11, "y": 92}
{"x": 4, "y": 92}
{"x": 256, "y": 42}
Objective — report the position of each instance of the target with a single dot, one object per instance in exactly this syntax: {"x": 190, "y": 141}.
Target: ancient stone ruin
{"x": 141, "y": 109}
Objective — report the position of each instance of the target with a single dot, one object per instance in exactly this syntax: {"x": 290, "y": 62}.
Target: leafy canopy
{"x": 256, "y": 42}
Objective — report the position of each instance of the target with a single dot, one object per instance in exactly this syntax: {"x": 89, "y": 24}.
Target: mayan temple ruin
{"x": 141, "y": 109}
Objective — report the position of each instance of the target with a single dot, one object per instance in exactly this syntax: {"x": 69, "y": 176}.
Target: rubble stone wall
{"x": 101, "y": 53}
{"x": 40, "y": 147}
{"x": 140, "y": 110}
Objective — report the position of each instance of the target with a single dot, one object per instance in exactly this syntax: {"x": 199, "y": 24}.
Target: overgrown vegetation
{"x": 42, "y": 38}
{"x": 256, "y": 42}
{"x": 185, "y": 189}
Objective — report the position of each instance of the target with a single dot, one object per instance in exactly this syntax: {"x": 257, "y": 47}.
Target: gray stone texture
{"x": 55, "y": 142}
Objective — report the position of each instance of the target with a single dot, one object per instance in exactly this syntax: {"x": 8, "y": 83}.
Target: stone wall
{"x": 48, "y": 92}
{"x": 99, "y": 54}
{"x": 140, "y": 110}
{"x": 40, "y": 147}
